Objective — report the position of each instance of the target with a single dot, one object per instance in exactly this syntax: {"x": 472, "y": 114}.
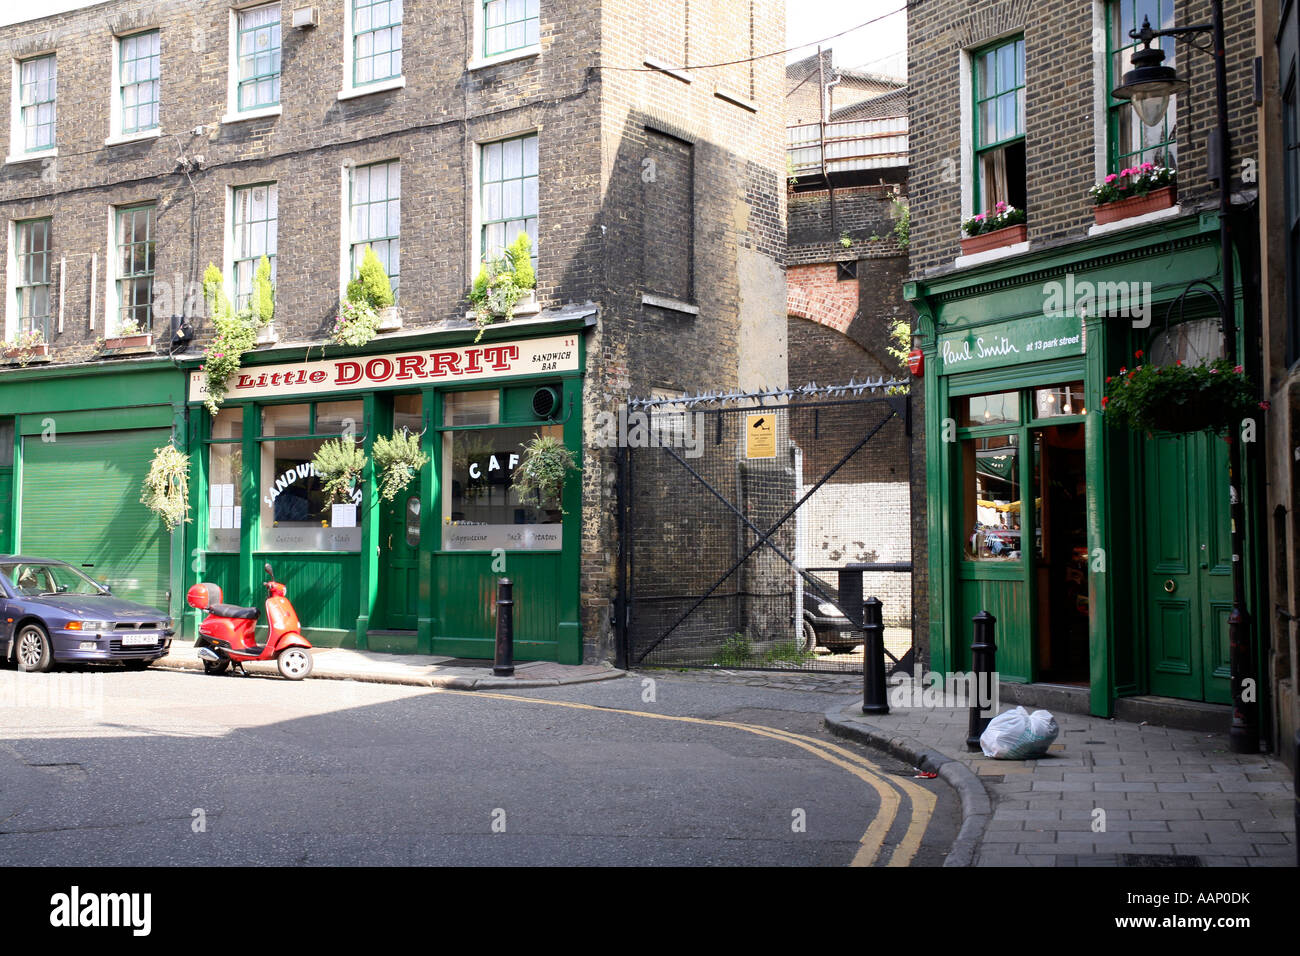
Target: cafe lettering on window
{"x": 463, "y": 364}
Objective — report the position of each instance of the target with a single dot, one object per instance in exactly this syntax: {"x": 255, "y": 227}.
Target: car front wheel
{"x": 33, "y": 648}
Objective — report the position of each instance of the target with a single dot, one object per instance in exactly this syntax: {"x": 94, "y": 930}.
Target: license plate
{"x": 138, "y": 640}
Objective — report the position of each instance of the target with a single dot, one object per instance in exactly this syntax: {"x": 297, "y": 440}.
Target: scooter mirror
{"x": 269, "y": 572}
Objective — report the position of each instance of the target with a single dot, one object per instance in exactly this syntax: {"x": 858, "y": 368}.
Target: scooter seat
{"x": 235, "y": 611}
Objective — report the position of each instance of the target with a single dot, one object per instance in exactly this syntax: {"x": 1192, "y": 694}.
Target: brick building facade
{"x": 649, "y": 182}
{"x": 1103, "y": 554}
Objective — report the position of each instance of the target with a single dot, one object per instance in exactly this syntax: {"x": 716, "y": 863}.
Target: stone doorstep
{"x": 1162, "y": 712}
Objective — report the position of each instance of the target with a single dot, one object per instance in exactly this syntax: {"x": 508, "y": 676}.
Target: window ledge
{"x": 664, "y": 68}
{"x": 392, "y": 83}
{"x": 31, "y": 157}
{"x": 991, "y": 255}
{"x": 665, "y": 302}
{"x": 1171, "y": 212}
{"x": 523, "y": 53}
{"x": 133, "y": 137}
{"x": 259, "y": 113}
{"x": 737, "y": 99}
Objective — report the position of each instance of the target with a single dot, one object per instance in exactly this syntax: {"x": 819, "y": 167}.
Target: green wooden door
{"x": 399, "y": 558}
{"x": 81, "y": 504}
{"x": 1188, "y": 567}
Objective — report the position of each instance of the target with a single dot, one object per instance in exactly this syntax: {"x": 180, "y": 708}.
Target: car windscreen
{"x": 35, "y": 579}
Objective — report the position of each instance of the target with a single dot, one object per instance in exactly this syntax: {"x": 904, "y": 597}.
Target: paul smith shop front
{"x": 418, "y": 573}
{"x": 1105, "y": 555}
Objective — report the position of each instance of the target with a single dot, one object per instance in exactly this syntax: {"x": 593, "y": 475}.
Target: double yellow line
{"x": 891, "y": 790}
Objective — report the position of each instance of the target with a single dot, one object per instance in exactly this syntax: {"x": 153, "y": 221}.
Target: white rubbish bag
{"x": 1017, "y": 734}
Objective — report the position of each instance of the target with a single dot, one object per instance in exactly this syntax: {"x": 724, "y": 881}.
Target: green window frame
{"x": 509, "y": 25}
{"x": 375, "y": 204}
{"x": 135, "y": 268}
{"x": 257, "y": 46}
{"x": 37, "y": 83}
{"x": 376, "y": 41}
{"x": 1130, "y": 142}
{"x": 508, "y": 194}
{"x": 139, "y": 71}
{"x": 32, "y": 286}
{"x": 254, "y": 227}
{"x": 998, "y": 117}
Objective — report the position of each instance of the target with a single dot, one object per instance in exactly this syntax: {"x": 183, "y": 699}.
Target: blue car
{"x": 54, "y": 613}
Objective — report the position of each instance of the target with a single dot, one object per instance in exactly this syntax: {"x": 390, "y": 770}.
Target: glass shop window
{"x": 1000, "y": 408}
{"x": 481, "y": 511}
{"x": 296, "y": 514}
{"x": 991, "y": 501}
{"x": 225, "y": 467}
{"x": 1058, "y": 400}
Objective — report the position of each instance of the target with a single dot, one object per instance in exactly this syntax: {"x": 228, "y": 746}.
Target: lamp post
{"x": 1148, "y": 87}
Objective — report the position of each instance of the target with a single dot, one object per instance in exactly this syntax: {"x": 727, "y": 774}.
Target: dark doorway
{"x": 1061, "y": 552}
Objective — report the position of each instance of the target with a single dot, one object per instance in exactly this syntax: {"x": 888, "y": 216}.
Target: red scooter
{"x": 226, "y": 634}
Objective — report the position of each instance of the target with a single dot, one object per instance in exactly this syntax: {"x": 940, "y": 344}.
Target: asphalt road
{"x": 104, "y": 767}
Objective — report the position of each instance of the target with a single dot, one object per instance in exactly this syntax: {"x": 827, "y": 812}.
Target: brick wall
{"x": 1059, "y": 114}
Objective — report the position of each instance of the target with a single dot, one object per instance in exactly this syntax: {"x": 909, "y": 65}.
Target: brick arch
{"x": 814, "y": 293}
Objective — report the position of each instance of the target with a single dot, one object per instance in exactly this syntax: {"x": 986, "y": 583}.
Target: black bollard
{"x": 983, "y": 661}
{"x": 874, "y": 700}
{"x": 504, "y": 665}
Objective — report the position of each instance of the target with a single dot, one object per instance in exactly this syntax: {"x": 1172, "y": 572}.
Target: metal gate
{"x": 754, "y": 523}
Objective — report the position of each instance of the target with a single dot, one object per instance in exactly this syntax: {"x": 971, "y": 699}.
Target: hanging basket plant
{"x": 502, "y": 282}
{"x": 1213, "y": 396}
{"x": 399, "y": 459}
{"x": 339, "y": 464}
{"x": 368, "y": 296}
{"x": 543, "y": 467}
{"x": 166, "y": 487}
{"x": 236, "y": 330}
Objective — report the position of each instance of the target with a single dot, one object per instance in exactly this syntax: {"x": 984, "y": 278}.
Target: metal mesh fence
{"x": 740, "y": 521}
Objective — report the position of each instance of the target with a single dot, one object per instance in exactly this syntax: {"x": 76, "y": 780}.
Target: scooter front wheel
{"x": 294, "y": 662}
{"x": 216, "y": 667}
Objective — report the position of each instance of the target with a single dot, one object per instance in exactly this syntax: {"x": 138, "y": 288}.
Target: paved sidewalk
{"x": 420, "y": 670}
{"x": 1163, "y": 793}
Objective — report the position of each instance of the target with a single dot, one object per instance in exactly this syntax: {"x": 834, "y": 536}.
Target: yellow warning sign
{"x": 760, "y": 436}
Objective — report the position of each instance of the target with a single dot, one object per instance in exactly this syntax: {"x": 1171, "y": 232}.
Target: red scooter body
{"x": 228, "y": 634}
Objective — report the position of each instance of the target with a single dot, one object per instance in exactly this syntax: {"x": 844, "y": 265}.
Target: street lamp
{"x": 1148, "y": 87}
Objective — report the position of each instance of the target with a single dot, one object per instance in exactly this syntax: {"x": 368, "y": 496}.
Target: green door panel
{"x": 81, "y": 504}
{"x": 466, "y": 596}
{"x": 1008, "y": 602}
{"x": 399, "y": 572}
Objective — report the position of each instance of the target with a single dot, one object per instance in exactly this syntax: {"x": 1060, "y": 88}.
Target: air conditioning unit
{"x": 304, "y": 18}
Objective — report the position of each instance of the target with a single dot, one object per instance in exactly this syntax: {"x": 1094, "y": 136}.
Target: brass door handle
{"x": 390, "y": 542}
{"x": 1170, "y": 587}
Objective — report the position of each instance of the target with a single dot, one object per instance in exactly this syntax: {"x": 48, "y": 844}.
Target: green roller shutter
{"x": 81, "y": 504}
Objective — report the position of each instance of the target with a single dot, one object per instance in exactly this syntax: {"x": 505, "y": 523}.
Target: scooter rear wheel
{"x": 216, "y": 667}
{"x": 294, "y": 662}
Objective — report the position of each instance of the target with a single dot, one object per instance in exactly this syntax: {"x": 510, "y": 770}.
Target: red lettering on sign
{"x": 410, "y": 366}
{"x": 379, "y": 370}
{"x": 348, "y": 373}
{"x": 500, "y": 356}
{"x": 317, "y": 376}
{"x": 445, "y": 363}
{"x": 471, "y": 361}
{"x": 245, "y": 381}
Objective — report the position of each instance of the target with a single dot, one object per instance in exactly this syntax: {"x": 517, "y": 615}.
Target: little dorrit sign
{"x": 1032, "y": 339}
{"x": 361, "y": 373}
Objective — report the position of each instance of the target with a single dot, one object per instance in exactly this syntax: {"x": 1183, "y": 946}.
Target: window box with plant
{"x": 237, "y": 331}
{"x": 1136, "y": 191}
{"x": 367, "y": 309}
{"x": 28, "y": 346}
{"x": 1213, "y": 396}
{"x": 130, "y": 335}
{"x": 505, "y": 286}
{"x": 1003, "y": 225}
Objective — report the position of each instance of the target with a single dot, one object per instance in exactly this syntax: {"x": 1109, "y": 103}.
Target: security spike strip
{"x": 810, "y": 390}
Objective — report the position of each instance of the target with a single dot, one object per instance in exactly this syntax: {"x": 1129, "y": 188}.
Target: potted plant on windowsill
{"x": 28, "y": 346}
{"x": 130, "y": 335}
{"x": 237, "y": 332}
{"x": 368, "y": 306}
{"x": 1002, "y": 225}
{"x": 1136, "y": 191}
{"x": 505, "y": 286}
{"x": 1213, "y": 396}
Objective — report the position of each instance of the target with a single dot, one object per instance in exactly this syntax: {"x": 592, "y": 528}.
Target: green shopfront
{"x": 1104, "y": 555}
{"x": 76, "y": 442}
{"x": 415, "y": 574}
